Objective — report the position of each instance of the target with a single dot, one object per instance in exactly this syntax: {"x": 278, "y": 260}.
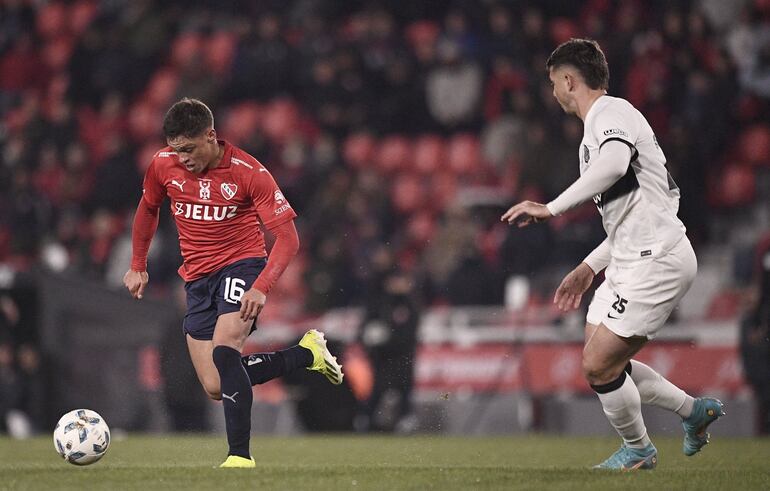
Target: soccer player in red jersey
{"x": 218, "y": 195}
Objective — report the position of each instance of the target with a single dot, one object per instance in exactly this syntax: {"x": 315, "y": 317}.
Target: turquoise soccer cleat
{"x": 631, "y": 459}
{"x": 705, "y": 411}
{"x": 323, "y": 361}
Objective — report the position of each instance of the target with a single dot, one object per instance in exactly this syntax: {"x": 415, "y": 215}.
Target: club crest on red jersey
{"x": 205, "y": 188}
{"x": 279, "y": 197}
{"x": 228, "y": 190}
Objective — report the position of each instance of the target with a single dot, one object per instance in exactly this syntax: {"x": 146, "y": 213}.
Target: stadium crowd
{"x": 398, "y": 129}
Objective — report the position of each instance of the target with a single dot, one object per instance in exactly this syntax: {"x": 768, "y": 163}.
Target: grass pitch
{"x": 366, "y": 462}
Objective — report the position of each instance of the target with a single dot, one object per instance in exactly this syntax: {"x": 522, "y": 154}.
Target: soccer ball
{"x": 81, "y": 437}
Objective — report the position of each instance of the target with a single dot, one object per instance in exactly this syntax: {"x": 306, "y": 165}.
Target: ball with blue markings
{"x": 81, "y": 437}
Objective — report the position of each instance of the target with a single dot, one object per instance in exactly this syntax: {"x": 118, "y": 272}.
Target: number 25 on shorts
{"x": 620, "y": 304}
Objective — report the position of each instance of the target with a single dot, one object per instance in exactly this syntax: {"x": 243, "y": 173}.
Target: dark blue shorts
{"x": 217, "y": 294}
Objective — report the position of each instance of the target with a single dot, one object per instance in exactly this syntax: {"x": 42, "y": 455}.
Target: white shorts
{"x": 636, "y": 300}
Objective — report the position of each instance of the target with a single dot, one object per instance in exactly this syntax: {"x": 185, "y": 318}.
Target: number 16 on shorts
{"x": 234, "y": 289}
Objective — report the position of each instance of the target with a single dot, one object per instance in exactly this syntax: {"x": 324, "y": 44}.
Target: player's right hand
{"x": 526, "y": 213}
{"x": 572, "y": 288}
{"x": 136, "y": 281}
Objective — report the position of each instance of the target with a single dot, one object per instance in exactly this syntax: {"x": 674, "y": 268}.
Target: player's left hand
{"x": 251, "y": 304}
{"x": 528, "y": 212}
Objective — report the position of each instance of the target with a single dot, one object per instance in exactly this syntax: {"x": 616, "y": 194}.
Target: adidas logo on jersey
{"x": 205, "y": 213}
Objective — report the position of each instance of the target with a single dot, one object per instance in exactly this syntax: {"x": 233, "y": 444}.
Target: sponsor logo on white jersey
{"x": 228, "y": 190}
{"x": 615, "y": 131}
{"x": 205, "y": 188}
{"x": 205, "y": 213}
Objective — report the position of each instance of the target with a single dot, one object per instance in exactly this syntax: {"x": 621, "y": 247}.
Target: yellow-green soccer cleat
{"x": 323, "y": 361}
{"x": 236, "y": 462}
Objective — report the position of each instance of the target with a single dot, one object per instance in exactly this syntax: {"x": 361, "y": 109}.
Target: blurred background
{"x": 400, "y": 131}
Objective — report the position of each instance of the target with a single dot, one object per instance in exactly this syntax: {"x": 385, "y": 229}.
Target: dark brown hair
{"x": 587, "y": 57}
{"x": 187, "y": 117}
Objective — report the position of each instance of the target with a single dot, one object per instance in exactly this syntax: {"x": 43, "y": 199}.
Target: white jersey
{"x": 638, "y": 211}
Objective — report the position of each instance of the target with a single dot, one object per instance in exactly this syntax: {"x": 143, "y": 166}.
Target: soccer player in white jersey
{"x": 649, "y": 261}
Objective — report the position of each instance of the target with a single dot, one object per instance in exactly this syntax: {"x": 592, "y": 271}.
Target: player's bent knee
{"x": 597, "y": 373}
{"x": 213, "y": 390}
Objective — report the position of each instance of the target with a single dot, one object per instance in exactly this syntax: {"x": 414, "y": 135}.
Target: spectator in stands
{"x": 263, "y": 64}
{"x": 454, "y": 88}
{"x": 9, "y": 386}
{"x": 68, "y": 98}
{"x": 33, "y": 386}
{"x": 755, "y": 341}
{"x": 389, "y": 336}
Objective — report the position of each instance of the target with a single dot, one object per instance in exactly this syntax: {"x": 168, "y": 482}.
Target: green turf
{"x": 365, "y": 462}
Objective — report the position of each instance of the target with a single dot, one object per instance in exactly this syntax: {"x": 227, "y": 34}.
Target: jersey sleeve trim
{"x": 634, "y": 151}
{"x": 280, "y": 219}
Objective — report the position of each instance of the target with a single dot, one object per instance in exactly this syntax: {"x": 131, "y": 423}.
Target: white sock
{"x": 655, "y": 390}
{"x": 623, "y": 408}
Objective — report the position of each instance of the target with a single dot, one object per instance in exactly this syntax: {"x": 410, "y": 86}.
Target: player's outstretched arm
{"x": 572, "y": 288}
{"x": 608, "y": 168}
{"x": 285, "y": 248}
{"x": 526, "y": 212}
{"x": 145, "y": 224}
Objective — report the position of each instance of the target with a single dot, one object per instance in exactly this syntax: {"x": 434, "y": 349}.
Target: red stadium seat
{"x": 421, "y": 228}
{"x": 563, "y": 29}
{"x": 241, "y": 122}
{"x": 57, "y": 52}
{"x": 754, "y": 143}
{"x": 358, "y": 150}
{"x": 735, "y": 187}
{"x": 422, "y": 32}
{"x": 145, "y": 154}
{"x": 407, "y": 193}
{"x": 393, "y": 154}
{"x": 81, "y": 13}
{"x": 219, "y": 52}
{"x": 443, "y": 190}
{"x": 464, "y": 154}
{"x": 162, "y": 87}
{"x": 51, "y": 20}
{"x": 281, "y": 120}
{"x": 429, "y": 154}
{"x": 144, "y": 121}
{"x": 186, "y": 49}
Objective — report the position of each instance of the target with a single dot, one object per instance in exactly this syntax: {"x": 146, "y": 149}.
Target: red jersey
{"x": 217, "y": 212}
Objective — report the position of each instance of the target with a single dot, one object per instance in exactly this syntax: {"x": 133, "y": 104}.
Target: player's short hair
{"x": 187, "y": 117}
{"x": 587, "y": 57}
